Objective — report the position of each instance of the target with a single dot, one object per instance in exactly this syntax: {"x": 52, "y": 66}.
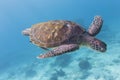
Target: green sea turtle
{"x": 65, "y": 36}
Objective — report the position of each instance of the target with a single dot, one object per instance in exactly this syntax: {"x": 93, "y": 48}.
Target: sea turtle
{"x": 65, "y": 36}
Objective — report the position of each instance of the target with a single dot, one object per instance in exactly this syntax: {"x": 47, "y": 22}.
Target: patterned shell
{"x": 54, "y": 33}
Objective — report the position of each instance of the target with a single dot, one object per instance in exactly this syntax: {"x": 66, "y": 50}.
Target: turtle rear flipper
{"x": 96, "y": 25}
{"x": 27, "y": 32}
{"x": 60, "y": 50}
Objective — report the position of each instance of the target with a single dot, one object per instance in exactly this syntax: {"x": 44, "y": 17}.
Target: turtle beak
{"x": 26, "y": 32}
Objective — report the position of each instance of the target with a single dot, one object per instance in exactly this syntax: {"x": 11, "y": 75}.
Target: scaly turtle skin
{"x": 65, "y": 35}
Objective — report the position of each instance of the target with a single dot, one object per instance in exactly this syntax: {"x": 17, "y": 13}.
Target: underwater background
{"x": 18, "y": 56}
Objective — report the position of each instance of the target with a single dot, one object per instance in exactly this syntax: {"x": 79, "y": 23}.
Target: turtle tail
{"x": 26, "y": 32}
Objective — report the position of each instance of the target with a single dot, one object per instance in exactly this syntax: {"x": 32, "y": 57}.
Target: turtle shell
{"x": 54, "y": 33}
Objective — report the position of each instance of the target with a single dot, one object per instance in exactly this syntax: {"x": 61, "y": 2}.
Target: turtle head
{"x": 26, "y": 32}
{"x": 98, "y": 45}
{"x": 95, "y": 44}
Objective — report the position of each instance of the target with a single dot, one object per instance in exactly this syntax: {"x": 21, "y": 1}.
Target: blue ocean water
{"x": 18, "y": 56}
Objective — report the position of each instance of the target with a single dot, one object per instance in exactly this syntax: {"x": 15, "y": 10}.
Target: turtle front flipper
{"x": 95, "y": 26}
{"x": 60, "y": 50}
